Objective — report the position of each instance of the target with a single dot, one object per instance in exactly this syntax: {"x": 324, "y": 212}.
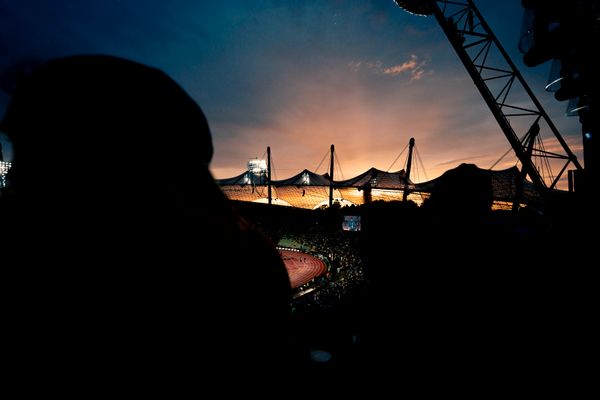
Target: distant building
{"x": 4, "y": 167}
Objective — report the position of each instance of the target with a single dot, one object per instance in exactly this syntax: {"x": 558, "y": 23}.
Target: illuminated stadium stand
{"x": 310, "y": 190}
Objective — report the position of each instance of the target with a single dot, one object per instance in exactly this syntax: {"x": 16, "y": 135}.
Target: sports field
{"x": 301, "y": 267}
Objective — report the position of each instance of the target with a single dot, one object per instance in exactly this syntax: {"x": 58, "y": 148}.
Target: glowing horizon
{"x": 298, "y": 76}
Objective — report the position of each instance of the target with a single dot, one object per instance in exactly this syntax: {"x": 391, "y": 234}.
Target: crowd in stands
{"x": 341, "y": 252}
{"x": 318, "y": 232}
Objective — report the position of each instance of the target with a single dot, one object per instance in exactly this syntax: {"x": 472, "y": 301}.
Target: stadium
{"x": 310, "y": 190}
{"x": 316, "y": 221}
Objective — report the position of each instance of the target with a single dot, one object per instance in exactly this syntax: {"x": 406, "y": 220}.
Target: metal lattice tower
{"x": 511, "y": 101}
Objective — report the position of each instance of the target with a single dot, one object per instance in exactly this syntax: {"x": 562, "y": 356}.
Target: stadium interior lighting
{"x": 305, "y": 179}
{"x": 257, "y": 166}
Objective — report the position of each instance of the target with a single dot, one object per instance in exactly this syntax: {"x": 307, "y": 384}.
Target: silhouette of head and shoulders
{"x": 144, "y": 263}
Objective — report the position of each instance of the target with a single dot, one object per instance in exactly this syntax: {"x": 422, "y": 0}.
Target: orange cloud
{"x": 398, "y": 69}
{"x": 413, "y": 67}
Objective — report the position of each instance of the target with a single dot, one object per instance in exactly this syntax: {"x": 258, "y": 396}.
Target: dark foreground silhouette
{"x": 456, "y": 297}
{"x": 129, "y": 272}
{"x": 127, "y": 265}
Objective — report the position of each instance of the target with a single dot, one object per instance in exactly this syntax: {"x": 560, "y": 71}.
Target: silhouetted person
{"x": 131, "y": 267}
{"x": 428, "y": 280}
{"x": 463, "y": 193}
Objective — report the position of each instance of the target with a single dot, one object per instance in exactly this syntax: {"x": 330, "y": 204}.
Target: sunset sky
{"x": 295, "y": 75}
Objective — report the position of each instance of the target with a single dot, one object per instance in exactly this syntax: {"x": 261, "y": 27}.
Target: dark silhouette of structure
{"x": 496, "y": 76}
{"x": 568, "y": 33}
{"x": 131, "y": 268}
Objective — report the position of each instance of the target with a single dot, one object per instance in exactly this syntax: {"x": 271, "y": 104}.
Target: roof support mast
{"x": 331, "y": 176}
{"x": 269, "y": 174}
{"x": 472, "y": 39}
{"x": 411, "y": 145}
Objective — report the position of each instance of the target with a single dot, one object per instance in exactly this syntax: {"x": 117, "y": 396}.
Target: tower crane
{"x": 497, "y": 79}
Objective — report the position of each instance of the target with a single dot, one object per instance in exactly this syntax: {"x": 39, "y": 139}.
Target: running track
{"x": 301, "y": 267}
